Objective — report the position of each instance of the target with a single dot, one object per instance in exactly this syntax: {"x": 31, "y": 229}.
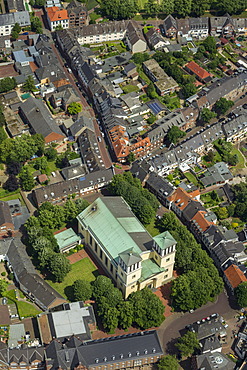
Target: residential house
{"x": 37, "y": 116}
{"x": 160, "y": 128}
{"x": 165, "y": 163}
{"x": 199, "y": 27}
{"x": 236, "y": 129}
{"x": 66, "y": 240}
{"x": 30, "y": 358}
{"x": 74, "y": 171}
{"x": 211, "y": 360}
{"x": 162, "y": 82}
{"x": 89, "y": 150}
{"x": 221, "y": 26}
{"x": 57, "y": 17}
{"x": 130, "y": 71}
{"x": 15, "y": 6}
{"x": 240, "y": 26}
{"x": 170, "y": 26}
{"x": 126, "y": 351}
{"x": 60, "y": 191}
{"x": 78, "y": 14}
{"x": 207, "y": 328}
{"x": 134, "y": 38}
{"x": 179, "y": 199}
{"x": 30, "y": 283}
{"x": 8, "y": 20}
{"x": 160, "y": 187}
{"x": 51, "y": 77}
{"x": 233, "y": 276}
{"x": 155, "y": 40}
{"x": 190, "y": 116}
{"x": 200, "y": 73}
{"x": 219, "y": 173}
{"x": 140, "y": 170}
{"x": 240, "y": 344}
{"x": 6, "y": 223}
{"x": 63, "y": 97}
{"x": 50, "y": 3}
{"x": 129, "y": 255}
{"x": 102, "y": 32}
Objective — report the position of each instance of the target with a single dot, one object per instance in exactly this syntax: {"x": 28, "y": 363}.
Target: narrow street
{"x": 102, "y": 146}
{"x": 172, "y": 327}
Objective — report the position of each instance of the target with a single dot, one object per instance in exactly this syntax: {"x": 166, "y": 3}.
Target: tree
{"x": 3, "y": 286}
{"x": 150, "y": 91}
{"x": 13, "y": 168}
{"x": 110, "y": 319}
{"x": 116, "y": 9}
{"x": 51, "y": 154}
{"x": 151, "y": 7}
{"x": 12, "y": 183}
{"x": 126, "y": 313}
{"x": 29, "y": 85}
{"x": 206, "y": 115}
{"x": 148, "y": 309}
{"x": 222, "y": 213}
{"x": 188, "y": 90}
{"x": 174, "y": 134}
{"x": 232, "y": 159}
{"x": 39, "y": 3}
{"x": 222, "y": 105}
{"x": 210, "y": 44}
{"x": 36, "y": 25}
{"x": 168, "y": 363}
{"x": 167, "y": 7}
{"x": 81, "y": 204}
{"x": 7, "y": 84}
{"x": 130, "y": 157}
{"x": 187, "y": 344}
{"x": 231, "y": 6}
{"x": 59, "y": 267}
{"x": 26, "y": 177}
{"x": 139, "y": 58}
{"x": 70, "y": 211}
{"x": 209, "y": 157}
{"x": 74, "y": 108}
{"x": 15, "y": 31}
{"x": 199, "y": 7}
{"x": 40, "y": 164}
{"x": 101, "y": 286}
{"x": 182, "y": 7}
{"x": 82, "y": 290}
{"x": 241, "y": 294}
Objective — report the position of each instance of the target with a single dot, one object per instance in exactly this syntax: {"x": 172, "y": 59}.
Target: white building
{"x": 7, "y": 21}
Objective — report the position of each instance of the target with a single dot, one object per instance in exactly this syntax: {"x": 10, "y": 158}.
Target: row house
{"x": 155, "y": 40}
{"x": 233, "y": 276}
{"x": 179, "y": 200}
{"x": 8, "y": 20}
{"x": 222, "y": 26}
{"x": 30, "y": 358}
{"x": 61, "y": 191}
{"x": 236, "y": 129}
{"x": 188, "y": 27}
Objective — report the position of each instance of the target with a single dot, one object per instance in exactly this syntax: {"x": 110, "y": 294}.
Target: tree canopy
{"x": 241, "y": 294}
{"x": 187, "y": 344}
{"x": 206, "y": 115}
{"x": 3, "y": 286}
{"x": 116, "y": 9}
{"x": 7, "y": 84}
{"x": 222, "y": 105}
{"x": 74, "y": 108}
{"x": 143, "y": 203}
{"x": 168, "y": 363}
{"x": 174, "y": 134}
{"x": 199, "y": 281}
{"x": 29, "y": 85}
{"x": 82, "y": 290}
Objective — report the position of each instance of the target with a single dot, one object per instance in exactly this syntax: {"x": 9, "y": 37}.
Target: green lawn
{"x": 241, "y": 162}
{"x": 191, "y": 178}
{"x": 26, "y": 309}
{"x": 152, "y": 229}
{"x": 129, "y": 88}
{"x": 51, "y": 167}
{"x": 93, "y": 16}
{"x": 83, "y": 269}
{"x": 13, "y": 196}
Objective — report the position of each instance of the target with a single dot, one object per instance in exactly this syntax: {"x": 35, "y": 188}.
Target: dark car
{"x": 245, "y": 106}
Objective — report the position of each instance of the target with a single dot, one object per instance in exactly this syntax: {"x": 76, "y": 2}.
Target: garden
{"x": 211, "y": 199}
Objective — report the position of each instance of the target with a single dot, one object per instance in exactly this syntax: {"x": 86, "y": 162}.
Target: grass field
{"x": 129, "y": 88}
{"x": 191, "y": 178}
{"x": 241, "y": 162}
{"x": 152, "y": 229}
{"x": 26, "y": 309}
{"x": 13, "y": 196}
{"x": 83, "y": 269}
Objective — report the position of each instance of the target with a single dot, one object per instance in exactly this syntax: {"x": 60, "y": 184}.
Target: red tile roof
{"x": 56, "y": 14}
{"x": 235, "y": 276}
{"x": 181, "y": 198}
{"x": 201, "y": 221}
{"x": 197, "y": 70}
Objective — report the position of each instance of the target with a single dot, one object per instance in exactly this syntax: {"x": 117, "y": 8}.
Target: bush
{"x": 3, "y": 273}
{"x": 11, "y": 276}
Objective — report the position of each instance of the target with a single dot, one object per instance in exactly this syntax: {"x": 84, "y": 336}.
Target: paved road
{"x": 103, "y": 151}
{"x": 172, "y": 327}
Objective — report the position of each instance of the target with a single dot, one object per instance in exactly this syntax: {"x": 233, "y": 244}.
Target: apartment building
{"x": 57, "y": 17}
{"x": 162, "y": 82}
{"x": 8, "y": 20}
{"x": 122, "y": 246}
{"x": 78, "y": 14}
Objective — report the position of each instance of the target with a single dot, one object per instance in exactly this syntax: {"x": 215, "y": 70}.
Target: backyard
{"x": 210, "y": 199}
{"x": 83, "y": 269}
{"x": 24, "y": 309}
{"x": 191, "y": 178}
{"x": 5, "y": 196}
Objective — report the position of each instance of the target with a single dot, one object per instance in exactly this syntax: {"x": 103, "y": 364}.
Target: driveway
{"x": 172, "y": 327}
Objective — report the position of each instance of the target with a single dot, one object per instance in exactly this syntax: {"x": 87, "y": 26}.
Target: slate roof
{"x": 28, "y": 354}
{"x": 209, "y": 361}
{"x": 208, "y": 328}
{"x": 39, "y": 118}
{"x": 159, "y": 185}
{"x": 104, "y": 351}
{"x": 169, "y": 22}
{"x": 5, "y": 215}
